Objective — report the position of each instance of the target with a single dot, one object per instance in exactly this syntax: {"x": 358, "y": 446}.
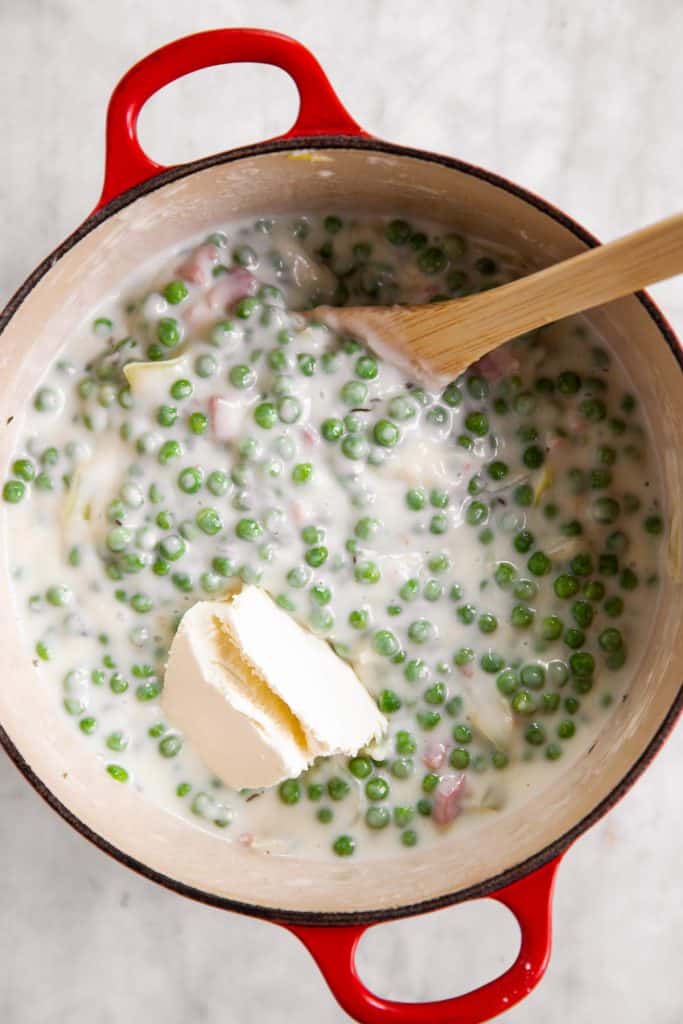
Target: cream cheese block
{"x": 259, "y": 696}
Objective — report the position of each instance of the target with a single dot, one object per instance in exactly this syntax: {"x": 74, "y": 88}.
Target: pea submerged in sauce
{"x": 486, "y": 556}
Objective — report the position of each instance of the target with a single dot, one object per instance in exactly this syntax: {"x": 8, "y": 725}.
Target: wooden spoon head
{"x": 395, "y": 334}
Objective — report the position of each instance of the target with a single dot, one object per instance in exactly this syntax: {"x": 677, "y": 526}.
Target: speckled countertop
{"x": 579, "y": 102}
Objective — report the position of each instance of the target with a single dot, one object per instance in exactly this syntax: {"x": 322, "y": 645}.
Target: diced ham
{"x": 229, "y": 287}
{"x": 246, "y": 838}
{"x": 434, "y": 756}
{"x": 225, "y": 418}
{"x": 467, "y": 670}
{"x": 300, "y": 512}
{"x": 197, "y": 267}
{"x": 496, "y": 364}
{"x": 310, "y": 435}
{"x": 448, "y": 799}
{"x": 554, "y": 442}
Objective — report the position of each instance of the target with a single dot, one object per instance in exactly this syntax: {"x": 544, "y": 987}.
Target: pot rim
{"x": 510, "y": 875}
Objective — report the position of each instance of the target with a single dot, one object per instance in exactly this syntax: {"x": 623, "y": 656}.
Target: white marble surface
{"x": 577, "y": 100}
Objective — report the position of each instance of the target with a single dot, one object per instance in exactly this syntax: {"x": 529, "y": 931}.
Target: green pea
{"x": 117, "y": 683}
{"x": 611, "y": 640}
{"x": 416, "y": 499}
{"x": 24, "y": 469}
{"x": 386, "y": 433}
{"x": 605, "y": 510}
{"x": 190, "y": 480}
{"x": 522, "y": 616}
{"x": 582, "y": 664}
{"x": 344, "y": 846}
{"x": 421, "y": 631}
{"x": 302, "y": 472}
{"x": 467, "y": 614}
{"x": 389, "y": 701}
{"x": 533, "y": 676}
{"x": 432, "y": 590}
{"x": 169, "y": 450}
{"x": 148, "y": 691}
{"x": 608, "y": 564}
{"x": 354, "y": 392}
{"x": 377, "y": 817}
{"x": 141, "y": 603}
{"x": 491, "y": 662}
{"x": 58, "y": 595}
{"x": 246, "y": 529}
{"x": 218, "y": 483}
{"x": 46, "y": 400}
{"x": 332, "y": 429}
{"x": 535, "y": 734}
{"x": 175, "y": 291}
{"x": 432, "y": 260}
{"x": 574, "y": 638}
{"x": 477, "y": 423}
{"x": 459, "y": 758}
{"x": 476, "y": 513}
{"x": 401, "y": 408}
{"x": 505, "y": 574}
{"x": 398, "y": 232}
{"x": 497, "y": 469}
{"x": 653, "y": 525}
{"x": 321, "y": 594}
{"x": 289, "y": 791}
{"x": 385, "y": 643}
{"x": 508, "y": 682}
{"x": 376, "y": 789}
{"x": 117, "y": 772}
{"x": 487, "y": 623}
{"x": 168, "y": 332}
{"x": 13, "y": 491}
{"x": 354, "y": 447}
{"x": 405, "y": 743}
{"x": 533, "y": 457}
{"x": 198, "y": 423}
{"x": 416, "y": 671}
{"x": 402, "y": 768}
{"x": 593, "y": 409}
{"x": 360, "y": 767}
{"x": 614, "y": 606}
{"x": 566, "y": 729}
{"x": 566, "y": 586}
{"x": 428, "y": 719}
{"x": 409, "y": 837}
{"x": 462, "y": 734}
{"x": 523, "y": 703}
{"x": 366, "y": 572}
{"x": 539, "y": 564}
{"x": 209, "y": 521}
{"x": 117, "y": 741}
{"x": 337, "y": 788}
{"x": 403, "y": 816}
{"x": 315, "y": 556}
{"x": 486, "y": 266}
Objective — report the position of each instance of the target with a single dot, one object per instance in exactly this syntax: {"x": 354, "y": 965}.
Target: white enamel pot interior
{"x": 354, "y": 175}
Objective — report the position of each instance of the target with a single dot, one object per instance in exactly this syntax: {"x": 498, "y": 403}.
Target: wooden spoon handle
{"x": 449, "y": 336}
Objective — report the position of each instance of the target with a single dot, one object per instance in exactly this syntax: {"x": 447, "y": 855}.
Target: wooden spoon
{"x": 444, "y": 338}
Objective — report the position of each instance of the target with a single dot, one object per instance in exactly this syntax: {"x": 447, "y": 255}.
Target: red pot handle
{"x": 530, "y": 900}
{"x": 320, "y": 111}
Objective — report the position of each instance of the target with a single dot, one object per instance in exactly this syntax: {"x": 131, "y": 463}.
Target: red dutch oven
{"x": 327, "y": 161}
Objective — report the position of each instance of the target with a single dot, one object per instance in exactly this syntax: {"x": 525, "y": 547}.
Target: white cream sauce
{"x": 101, "y": 520}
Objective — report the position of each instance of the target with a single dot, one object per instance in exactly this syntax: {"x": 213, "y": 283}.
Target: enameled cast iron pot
{"x": 326, "y": 161}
